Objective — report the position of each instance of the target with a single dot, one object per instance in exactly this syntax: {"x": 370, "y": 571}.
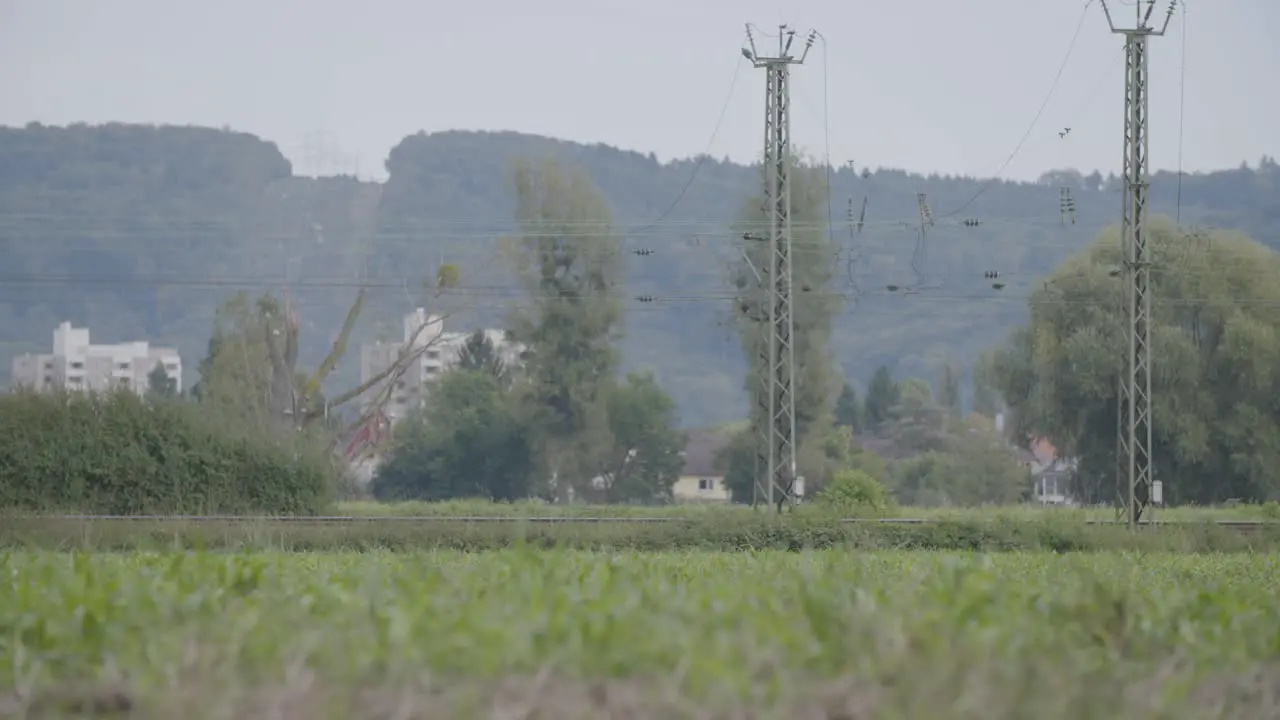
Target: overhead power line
{"x": 702, "y": 158}
{"x": 1075, "y": 36}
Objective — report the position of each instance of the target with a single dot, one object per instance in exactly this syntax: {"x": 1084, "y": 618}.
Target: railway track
{"x": 1241, "y": 526}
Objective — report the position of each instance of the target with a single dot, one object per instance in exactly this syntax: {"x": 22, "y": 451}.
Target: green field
{"x": 561, "y": 634}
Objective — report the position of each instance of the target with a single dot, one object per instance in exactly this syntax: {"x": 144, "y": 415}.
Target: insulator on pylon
{"x": 1066, "y": 206}
{"x": 971, "y": 222}
{"x": 646, "y": 298}
{"x": 926, "y": 215}
{"x": 991, "y": 274}
{"x": 644, "y": 251}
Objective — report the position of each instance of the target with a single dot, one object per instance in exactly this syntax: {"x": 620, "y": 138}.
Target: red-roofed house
{"x": 1051, "y": 475}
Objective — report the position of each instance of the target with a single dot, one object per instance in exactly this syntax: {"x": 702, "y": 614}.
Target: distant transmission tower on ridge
{"x": 1133, "y": 406}
{"x": 776, "y": 445}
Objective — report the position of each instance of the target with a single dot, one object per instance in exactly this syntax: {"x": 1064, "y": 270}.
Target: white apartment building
{"x": 77, "y": 364}
{"x": 439, "y": 352}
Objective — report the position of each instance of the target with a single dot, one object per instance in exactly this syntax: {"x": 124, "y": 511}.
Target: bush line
{"x": 788, "y": 534}
{"x": 117, "y": 453}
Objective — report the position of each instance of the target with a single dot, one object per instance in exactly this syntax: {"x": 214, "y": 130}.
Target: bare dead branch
{"x": 397, "y": 368}
{"x": 338, "y": 350}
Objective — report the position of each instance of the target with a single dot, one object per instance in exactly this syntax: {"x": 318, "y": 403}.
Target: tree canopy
{"x": 1216, "y": 364}
{"x": 569, "y": 262}
{"x": 467, "y": 441}
{"x": 571, "y": 428}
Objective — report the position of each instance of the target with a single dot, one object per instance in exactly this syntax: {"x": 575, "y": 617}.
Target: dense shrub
{"x": 120, "y": 454}
{"x": 853, "y": 493}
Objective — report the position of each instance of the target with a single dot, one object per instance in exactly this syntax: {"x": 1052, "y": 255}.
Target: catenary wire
{"x": 685, "y": 295}
{"x": 445, "y": 229}
{"x": 1084, "y": 13}
{"x": 1182, "y": 104}
{"x": 702, "y": 158}
{"x": 826, "y": 135}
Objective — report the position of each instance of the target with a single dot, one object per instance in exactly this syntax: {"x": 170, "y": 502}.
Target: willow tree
{"x": 815, "y": 305}
{"x": 1215, "y": 337}
{"x": 569, "y": 262}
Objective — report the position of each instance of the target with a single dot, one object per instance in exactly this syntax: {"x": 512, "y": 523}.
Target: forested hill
{"x": 139, "y": 232}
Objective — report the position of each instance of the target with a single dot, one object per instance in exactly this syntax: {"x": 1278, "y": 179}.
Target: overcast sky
{"x": 926, "y": 85}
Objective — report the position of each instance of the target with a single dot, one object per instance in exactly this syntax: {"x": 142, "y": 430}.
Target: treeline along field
{"x": 588, "y": 635}
{"x": 120, "y": 454}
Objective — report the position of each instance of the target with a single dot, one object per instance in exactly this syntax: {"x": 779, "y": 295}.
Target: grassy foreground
{"x": 521, "y": 633}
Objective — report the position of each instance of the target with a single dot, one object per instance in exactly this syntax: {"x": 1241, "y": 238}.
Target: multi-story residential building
{"x": 77, "y": 364}
{"x": 436, "y": 351}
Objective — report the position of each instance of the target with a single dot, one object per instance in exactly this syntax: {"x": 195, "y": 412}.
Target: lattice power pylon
{"x": 776, "y": 447}
{"x": 1133, "y": 440}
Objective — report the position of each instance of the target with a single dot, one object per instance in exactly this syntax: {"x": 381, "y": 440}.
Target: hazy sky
{"x": 927, "y": 85}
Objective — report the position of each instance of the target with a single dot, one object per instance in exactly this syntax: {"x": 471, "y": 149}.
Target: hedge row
{"x": 755, "y": 534}
{"x": 120, "y": 454}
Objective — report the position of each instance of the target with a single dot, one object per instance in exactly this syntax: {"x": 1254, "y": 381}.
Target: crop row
{"x": 712, "y": 532}
{"x": 580, "y": 634}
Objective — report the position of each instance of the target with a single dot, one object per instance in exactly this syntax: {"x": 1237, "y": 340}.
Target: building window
{"x": 706, "y": 484}
{"x": 122, "y": 366}
{"x": 433, "y": 354}
{"x": 77, "y": 365}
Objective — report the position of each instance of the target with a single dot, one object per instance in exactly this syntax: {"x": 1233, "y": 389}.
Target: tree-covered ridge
{"x": 91, "y": 216}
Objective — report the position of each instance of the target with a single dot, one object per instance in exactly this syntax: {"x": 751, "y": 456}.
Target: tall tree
{"x": 949, "y": 390}
{"x": 817, "y": 381}
{"x": 986, "y": 398}
{"x": 1216, "y": 350}
{"x": 645, "y": 461}
{"x": 848, "y": 411}
{"x": 239, "y": 377}
{"x": 159, "y": 384}
{"x": 252, "y": 373}
{"x": 235, "y": 377}
{"x": 569, "y": 260}
{"x": 478, "y": 353}
{"x": 882, "y": 395}
{"x": 917, "y": 422}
